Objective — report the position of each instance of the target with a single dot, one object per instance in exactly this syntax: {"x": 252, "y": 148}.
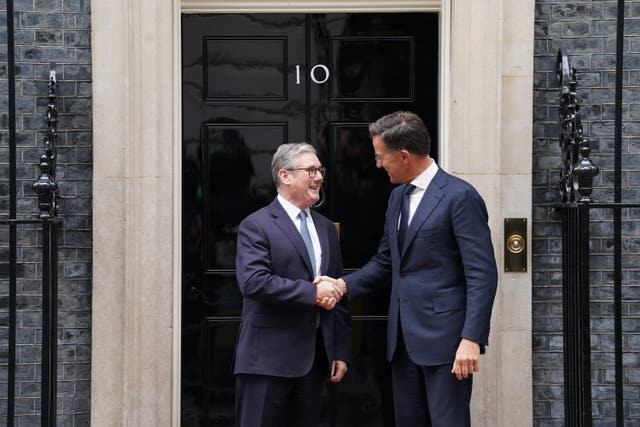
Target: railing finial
{"x": 576, "y": 175}
{"x": 46, "y": 187}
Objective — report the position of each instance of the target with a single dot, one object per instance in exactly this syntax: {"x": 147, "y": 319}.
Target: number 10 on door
{"x": 313, "y": 73}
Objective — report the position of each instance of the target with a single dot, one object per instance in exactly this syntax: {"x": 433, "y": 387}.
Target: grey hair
{"x": 285, "y": 158}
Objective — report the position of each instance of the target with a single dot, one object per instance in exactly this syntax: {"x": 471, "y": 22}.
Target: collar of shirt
{"x": 421, "y": 182}
{"x": 292, "y": 210}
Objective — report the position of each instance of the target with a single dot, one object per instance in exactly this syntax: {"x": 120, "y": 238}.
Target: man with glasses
{"x": 436, "y": 249}
{"x": 294, "y": 334}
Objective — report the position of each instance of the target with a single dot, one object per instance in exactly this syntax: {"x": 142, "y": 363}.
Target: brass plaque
{"x": 515, "y": 244}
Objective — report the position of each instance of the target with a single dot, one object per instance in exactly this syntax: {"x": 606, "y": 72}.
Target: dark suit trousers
{"x": 268, "y": 401}
{"x": 427, "y": 396}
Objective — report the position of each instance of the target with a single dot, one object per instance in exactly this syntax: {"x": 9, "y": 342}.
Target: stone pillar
{"x": 516, "y": 146}
{"x": 133, "y": 211}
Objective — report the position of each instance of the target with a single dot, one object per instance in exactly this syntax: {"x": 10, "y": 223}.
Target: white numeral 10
{"x": 312, "y": 74}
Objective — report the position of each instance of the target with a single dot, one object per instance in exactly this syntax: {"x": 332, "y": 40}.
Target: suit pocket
{"x": 428, "y": 233}
{"x": 449, "y": 303}
{"x": 434, "y": 233}
{"x": 265, "y": 321}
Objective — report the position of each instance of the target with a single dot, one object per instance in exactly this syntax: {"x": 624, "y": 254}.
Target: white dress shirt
{"x": 293, "y": 211}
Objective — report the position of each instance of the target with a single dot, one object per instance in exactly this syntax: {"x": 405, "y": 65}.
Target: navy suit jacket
{"x": 444, "y": 279}
{"x": 278, "y": 329}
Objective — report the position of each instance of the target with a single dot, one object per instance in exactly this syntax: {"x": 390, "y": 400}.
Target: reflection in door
{"x": 247, "y": 88}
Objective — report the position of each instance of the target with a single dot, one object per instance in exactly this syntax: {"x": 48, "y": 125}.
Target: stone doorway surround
{"x": 486, "y": 92}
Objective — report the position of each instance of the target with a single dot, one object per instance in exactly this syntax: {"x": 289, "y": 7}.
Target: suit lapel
{"x": 394, "y": 209}
{"x": 430, "y": 199}
{"x": 284, "y": 223}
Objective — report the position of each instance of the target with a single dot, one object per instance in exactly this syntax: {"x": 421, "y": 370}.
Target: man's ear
{"x": 404, "y": 154}
{"x": 284, "y": 176}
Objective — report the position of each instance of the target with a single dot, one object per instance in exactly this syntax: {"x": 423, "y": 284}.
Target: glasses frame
{"x": 379, "y": 159}
{"x": 311, "y": 171}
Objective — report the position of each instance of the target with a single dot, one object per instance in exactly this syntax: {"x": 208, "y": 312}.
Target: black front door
{"x": 250, "y": 83}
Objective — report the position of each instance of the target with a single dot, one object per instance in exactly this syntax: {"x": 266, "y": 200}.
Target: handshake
{"x": 329, "y": 291}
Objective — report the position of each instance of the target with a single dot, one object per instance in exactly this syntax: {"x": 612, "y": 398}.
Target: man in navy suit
{"x": 437, "y": 251}
{"x": 288, "y": 343}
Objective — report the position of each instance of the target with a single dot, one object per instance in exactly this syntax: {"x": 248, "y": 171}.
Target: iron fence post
{"x": 575, "y": 304}
{"x": 49, "y": 324}
{"x": 576, "y": 186}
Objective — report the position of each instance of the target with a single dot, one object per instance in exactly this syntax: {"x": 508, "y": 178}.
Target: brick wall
{"x": 49, "y": 30}
{"x": 586, "y": 31}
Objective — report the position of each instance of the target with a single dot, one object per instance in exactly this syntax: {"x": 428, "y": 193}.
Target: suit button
{"x": 402, "y": 275}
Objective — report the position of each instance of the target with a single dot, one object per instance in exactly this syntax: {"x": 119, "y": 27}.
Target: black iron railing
{"x": 47, "y": 221}
{"x": 576, "y": 203}
{"x": 576, "y": 178}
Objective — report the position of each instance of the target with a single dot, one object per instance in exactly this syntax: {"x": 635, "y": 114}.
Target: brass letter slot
{"x": 515, "y": 244}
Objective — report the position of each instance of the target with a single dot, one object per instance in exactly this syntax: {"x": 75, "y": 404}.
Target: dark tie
{"x": 304, "y": 231}
{"x": 404, "y": 215}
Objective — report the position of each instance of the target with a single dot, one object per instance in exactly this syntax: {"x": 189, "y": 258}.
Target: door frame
{"x": 485, "y": 117}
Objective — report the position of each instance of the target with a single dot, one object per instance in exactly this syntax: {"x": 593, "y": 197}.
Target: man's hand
{"x": 326, "y": 303}
{"x": 338, "y": 369}
{"x": 339, "y": 283}
{"x": 467, "y": 359}
{"x": 327, "y": 293}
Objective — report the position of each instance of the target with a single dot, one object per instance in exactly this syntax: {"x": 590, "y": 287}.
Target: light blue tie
{"x": 304, "y": 231}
